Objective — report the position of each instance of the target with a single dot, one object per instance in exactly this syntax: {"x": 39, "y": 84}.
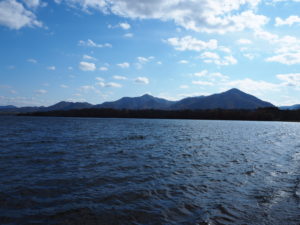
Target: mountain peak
{"x": 234, "y": 90}
{"x": 147, "y": 96}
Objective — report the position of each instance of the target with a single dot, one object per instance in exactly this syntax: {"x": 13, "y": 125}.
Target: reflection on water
{"x": 127, "y": 171}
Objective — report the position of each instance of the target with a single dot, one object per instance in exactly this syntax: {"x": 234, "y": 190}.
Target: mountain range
{"x": 231, "y": 99}
{"x": 292, "y": 107}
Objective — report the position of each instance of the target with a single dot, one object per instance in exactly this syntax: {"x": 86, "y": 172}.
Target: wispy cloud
{"x": 212, "y": 57}
{"x": 64, "y": 86}
{"x": 288, "y": 21}
{"x": 124, "y": 65}
{"x": 51, "y": 68}
{"x": 87, "y": 66}
{"x": 91, "y": 43}
{"x": 123, "y": 25}
{"x": 290, "y": 79}
{"x": 88, "y": 57}
{"x": 192, "y": 44}
{"x": 128, "y": 35}
{"x": 116, "y": 77}
{"x": 41, "y": 91}
{"x": 103, "y": 68}
{"x": 142, "y": 80}
{"x": 109, "y": 84}
{"x": 183, "y": 61}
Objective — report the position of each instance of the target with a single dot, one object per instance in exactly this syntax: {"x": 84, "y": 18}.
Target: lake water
{"x": 136, "y": 171}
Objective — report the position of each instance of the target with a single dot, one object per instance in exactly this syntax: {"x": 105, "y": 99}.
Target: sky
{"x": 102, "y": 50}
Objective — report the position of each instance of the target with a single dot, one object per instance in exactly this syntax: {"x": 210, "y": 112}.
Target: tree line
{"x": 261, "y": 114}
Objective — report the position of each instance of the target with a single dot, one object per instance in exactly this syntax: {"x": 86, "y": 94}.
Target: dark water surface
{"x": 128, "y": 171}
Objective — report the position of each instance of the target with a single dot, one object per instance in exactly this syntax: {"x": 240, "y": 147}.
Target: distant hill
{"x": 231, "y": 99}
{"x": 63, "y": 105}
{"x": 58, "y": 106}
{"x": 143, "y": 102}
{"x": 8, "y": 107}
{"x": 292, "y": 107}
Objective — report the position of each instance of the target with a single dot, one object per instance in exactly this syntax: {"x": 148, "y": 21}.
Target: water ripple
{"x": 126, "y": 171}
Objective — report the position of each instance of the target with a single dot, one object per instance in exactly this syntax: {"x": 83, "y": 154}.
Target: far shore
{"x": 261, "y": 114}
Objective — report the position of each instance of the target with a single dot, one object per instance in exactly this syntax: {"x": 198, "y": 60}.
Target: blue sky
{"x": 102, "y": 50}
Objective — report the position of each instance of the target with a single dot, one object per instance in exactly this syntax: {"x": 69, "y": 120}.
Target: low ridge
{"x": 231, "y": 99}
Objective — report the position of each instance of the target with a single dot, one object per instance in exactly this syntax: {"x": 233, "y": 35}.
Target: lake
{"x": 139, "y": 171}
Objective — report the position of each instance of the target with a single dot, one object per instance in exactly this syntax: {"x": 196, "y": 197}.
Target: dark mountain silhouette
{"x": 292, "y": 107}
{"x": 8, "y": 107}
{"x": 143, "y": 102}
{"x": 63, "y": 105}
{"x": 231, "y": 99}
{"x": 58, "y": 106}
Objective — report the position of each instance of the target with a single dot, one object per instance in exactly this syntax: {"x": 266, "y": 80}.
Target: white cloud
{"x": 192, "y": 44}
{"x": 224, "y": 49}
{"x": 41, "y": 91}
{"x": 101, "y": 84}
{"x": 202, "y": 15}
{"x": 112, "y": 84}
{"x": 142, "y": 80}
{"x": 116, "y": 77}
{"x": 286, "y": 0}
{"x": 87, "y": 4}
{"x": 86, "y": 66}
{"x": 15, "y": 16}
{"x": 51, "y": 68}
{"x": 249, "y": 85}
{"x": 244, "y": 41}
{"x": 183, "y": 61}
{"x": 286, "y": 48}
{"x": 91, "y": 43}
{"x": 144, "y": 59}
{"x": 290, "y": 79}
{"x": 32, "y": 3}
{"x": 99, "y": 79}
{"x": 88, "y": 57}
{"x": 212, "y": 57}
{"x": 125, "y": 26}
{"x": 128, "y": 35}
{"x": 103, "y": 68}
{"x": 265, "y": 35}
{"x": 288, "y": 21}
{"x": 286, "y": 58}
{"x": 203, "y": 83}
{"x": 64, "y": 86}
{"x": 109, "y": 84}
{"x": 32, "y": 60}
{"x": 124, "y": 65}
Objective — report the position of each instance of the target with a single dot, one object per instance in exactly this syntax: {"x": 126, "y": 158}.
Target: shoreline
{"x": 263, "y": 114}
